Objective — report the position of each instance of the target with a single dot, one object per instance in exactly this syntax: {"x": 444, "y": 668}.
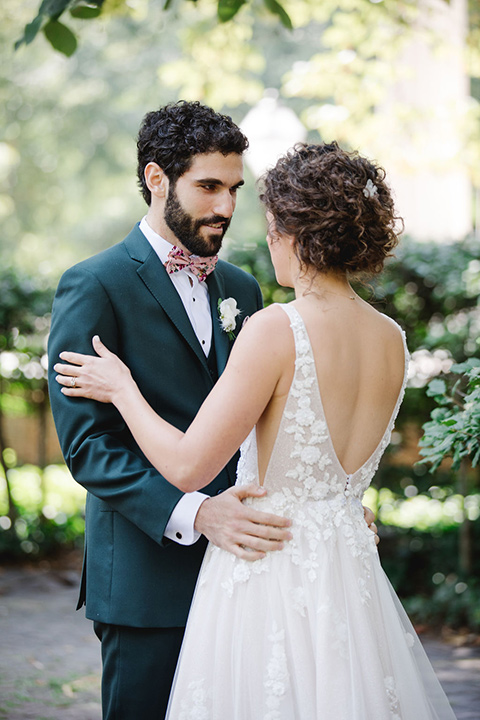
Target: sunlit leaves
{"x": 219, "y": 66}
{"x": 59, "y": 35}
{"x": 454, "y": 428}
{"x": 63, "y": 39}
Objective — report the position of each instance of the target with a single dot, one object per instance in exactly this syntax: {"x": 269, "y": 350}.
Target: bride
{"x": 311, "y": 393}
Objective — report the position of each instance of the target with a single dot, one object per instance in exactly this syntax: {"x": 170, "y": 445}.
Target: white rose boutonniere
{"x": 228, "y": 311}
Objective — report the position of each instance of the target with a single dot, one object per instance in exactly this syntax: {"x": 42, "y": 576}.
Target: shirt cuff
{"x": 180, "y": 527}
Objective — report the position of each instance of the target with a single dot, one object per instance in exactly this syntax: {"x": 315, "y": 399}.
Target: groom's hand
{"x": 370, "y": 520}
{"x": 238, "y": 528}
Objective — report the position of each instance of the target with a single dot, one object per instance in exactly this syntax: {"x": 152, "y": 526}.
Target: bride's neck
{"x": 323, "y": 284}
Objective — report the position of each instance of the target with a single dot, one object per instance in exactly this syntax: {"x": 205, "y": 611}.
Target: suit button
{"x": 178, "y": 535}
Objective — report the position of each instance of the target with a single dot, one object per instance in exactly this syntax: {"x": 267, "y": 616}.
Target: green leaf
{"x": 30, "y": 32}
{"x": 436, "y": 387}
{"x": 60, "y": 37}
{"x": 54, "y": 8}
{"x": 227, "y": 9}
{"x": 277, "y": 9}
{"x": 48, "y": 9}
{"x": 476, "y": 458}
{"x": 85, "y": 12}
{"x": 465, "y": 366}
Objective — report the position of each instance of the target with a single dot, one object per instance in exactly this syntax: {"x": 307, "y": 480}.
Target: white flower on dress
{"x": 228, "y": 311}
{"x": 298, "y": 600}
{"x": 241, "y": 572}
{"x": 310, "y": 454}
{"x": 410, "y": 639}
{"x": 276, "y": 674}
{"x": 305, "y": 416}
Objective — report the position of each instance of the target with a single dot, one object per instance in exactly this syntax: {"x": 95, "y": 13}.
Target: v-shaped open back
{"x": 303, "y": 452}
{"x": 313, "y": 630}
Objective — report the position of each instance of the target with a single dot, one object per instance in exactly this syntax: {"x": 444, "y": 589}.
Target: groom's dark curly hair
{"x": 174, "y": 134}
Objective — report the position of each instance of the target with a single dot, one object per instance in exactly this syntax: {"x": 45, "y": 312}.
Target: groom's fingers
{"x": 238, "y": 528}
{"x": 368, "y": 515}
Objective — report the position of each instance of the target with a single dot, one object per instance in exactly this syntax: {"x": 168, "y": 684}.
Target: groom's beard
{"x": 187, "y": 229}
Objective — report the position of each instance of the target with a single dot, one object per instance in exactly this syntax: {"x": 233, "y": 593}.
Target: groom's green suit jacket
{"x": 132, "y": 575}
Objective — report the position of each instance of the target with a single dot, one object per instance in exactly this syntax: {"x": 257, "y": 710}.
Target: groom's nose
{"x": 224, "y": 204}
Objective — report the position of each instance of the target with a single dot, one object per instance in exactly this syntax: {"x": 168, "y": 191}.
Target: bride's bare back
{"x": 360, "y": 362}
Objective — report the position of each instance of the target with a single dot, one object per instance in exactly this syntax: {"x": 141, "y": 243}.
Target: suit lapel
{"x": 155, "y": 277}
{"x": 216, "y": 291}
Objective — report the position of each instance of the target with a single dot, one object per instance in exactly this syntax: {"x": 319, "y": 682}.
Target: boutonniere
{"x": 227, "y": 312}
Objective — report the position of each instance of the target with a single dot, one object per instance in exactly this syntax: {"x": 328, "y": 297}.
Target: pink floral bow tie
{"x": 199, "y": 266}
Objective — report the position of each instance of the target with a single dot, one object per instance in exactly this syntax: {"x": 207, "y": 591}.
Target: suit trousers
{"x": 138, "y": 669}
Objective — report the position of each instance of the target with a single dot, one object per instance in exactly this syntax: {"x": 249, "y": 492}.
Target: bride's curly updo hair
{"x": 336, "y": 205}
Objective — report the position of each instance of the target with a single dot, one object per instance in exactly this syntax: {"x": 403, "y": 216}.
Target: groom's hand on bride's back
{"x": 370, "y": 520}
{"x": 239, "y": 528}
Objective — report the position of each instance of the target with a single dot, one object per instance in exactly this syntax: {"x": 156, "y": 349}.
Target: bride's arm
{"x": 192, "y": 459}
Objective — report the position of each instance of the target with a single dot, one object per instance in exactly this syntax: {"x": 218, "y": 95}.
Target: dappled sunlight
{"x": 438, "y": 510}
{"x": 425, "y": 365}
{"x": 50, "y": 506}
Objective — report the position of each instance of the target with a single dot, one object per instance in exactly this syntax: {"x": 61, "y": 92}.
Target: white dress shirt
{"x": 195, "y": 299}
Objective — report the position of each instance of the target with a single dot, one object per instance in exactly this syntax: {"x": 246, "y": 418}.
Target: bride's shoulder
{"x": 268, "y": 327}
{"x": 389, "y": 325}
{"x": 270, "y": 318}
{"x": 387, "y": 333}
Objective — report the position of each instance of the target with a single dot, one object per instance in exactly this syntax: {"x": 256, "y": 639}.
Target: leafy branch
{"x": 64, "y": 40}
{"x": 454, "y": 428}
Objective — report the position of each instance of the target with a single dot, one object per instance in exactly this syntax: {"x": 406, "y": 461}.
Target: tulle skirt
{"x": 312, "y": 632}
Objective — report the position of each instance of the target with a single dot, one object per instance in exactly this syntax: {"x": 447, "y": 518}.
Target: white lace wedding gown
{"x": 315, "y": 631}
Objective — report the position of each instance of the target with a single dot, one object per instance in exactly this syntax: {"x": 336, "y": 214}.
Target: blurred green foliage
{"x": 454, "y": 428}
{"x": 24, "y": 323}
{"x": 67, "y": 190}
{"x": 49, "y": 512}
{"x": 64, "y": 40}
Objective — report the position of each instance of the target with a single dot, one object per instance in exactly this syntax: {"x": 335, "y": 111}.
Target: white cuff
{"x": 180, "y": 526}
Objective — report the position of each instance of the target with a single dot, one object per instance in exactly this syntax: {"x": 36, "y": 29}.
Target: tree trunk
{"x": 42, "y": 443}
{"x": 12, "y": 512}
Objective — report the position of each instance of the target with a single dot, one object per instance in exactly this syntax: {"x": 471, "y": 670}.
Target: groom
{"x": 144, "y": 539}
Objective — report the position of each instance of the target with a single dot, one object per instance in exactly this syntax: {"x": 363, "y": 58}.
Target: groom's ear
{"x": 156, "y": 180}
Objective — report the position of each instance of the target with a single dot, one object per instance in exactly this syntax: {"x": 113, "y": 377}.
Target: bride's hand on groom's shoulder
{"x": 100, "y": 377}
{"x": 240, "y": 529}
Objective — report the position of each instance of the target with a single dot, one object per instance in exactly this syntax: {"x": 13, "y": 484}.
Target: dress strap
{"x": 302, "y": 341}
{"x": 406, "y": 356}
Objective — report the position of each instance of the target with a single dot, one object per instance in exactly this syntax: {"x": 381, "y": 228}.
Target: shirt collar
{"x": 161, "y": 246}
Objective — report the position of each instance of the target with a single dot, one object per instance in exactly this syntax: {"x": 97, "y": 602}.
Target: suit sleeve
{"x": 93, "y": 436}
